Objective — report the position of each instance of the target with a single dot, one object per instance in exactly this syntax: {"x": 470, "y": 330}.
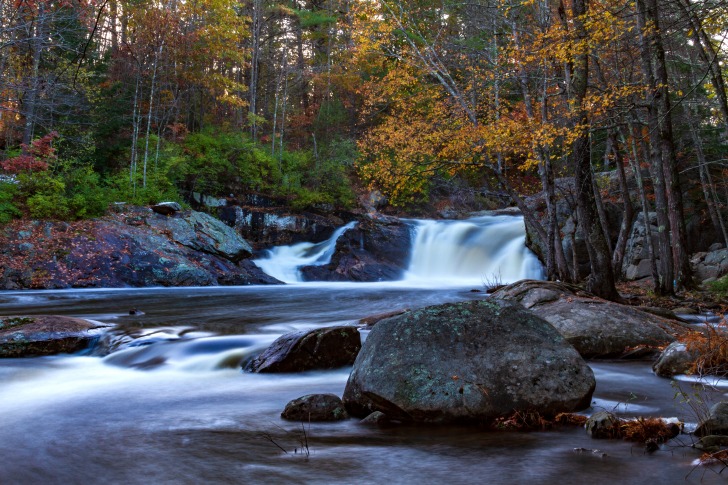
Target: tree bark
{"x": 627, "y": 210}
{"x": 601, "y": 279}
{"x": 681, "y": 258}
{"x": 664, "y": 284}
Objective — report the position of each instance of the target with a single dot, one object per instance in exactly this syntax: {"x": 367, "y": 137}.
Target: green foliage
{"x": 311, "y": 19}
{"x": 720, "y": 287}
{"x": 217, "y": 162}
{"x": 45, "y": 195}
{"x": 8, "y": 209}
{"x": 73, "y": 193}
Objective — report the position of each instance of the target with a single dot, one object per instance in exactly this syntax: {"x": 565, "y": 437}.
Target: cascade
{"x": 487, "y": 249}
{"x": 474, "y": 251}
{"x": 283, "y": 262}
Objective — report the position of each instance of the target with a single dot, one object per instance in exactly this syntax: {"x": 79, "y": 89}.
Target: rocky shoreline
{"x": 131, "y": 247}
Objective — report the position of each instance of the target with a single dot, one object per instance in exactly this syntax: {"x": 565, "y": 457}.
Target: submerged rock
{"x": 321, "y": 348}
{"x": 26, "y": 336}
{"x": 315, "y": 407}
{"x": 595, "y": 327}
{"x": 466, "y": 362}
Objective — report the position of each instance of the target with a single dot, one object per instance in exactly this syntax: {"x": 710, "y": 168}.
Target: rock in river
{"x": 315, "y": 407}
{"x": 595, "y": 327}
{"x": 321, "y": 348}
{"x": 466, "y": 362}
{"x": 22, "y": 336}
{"x": 675, "y": 359}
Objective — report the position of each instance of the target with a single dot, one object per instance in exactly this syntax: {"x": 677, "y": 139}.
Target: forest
{"x": 313, "y": 100}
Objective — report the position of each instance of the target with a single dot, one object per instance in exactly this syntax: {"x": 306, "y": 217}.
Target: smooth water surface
{"x": 172, "y": 405}
{"x": 193, "y": 418}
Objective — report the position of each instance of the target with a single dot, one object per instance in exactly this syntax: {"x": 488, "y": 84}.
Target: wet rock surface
{"x": 265, "y": 227}
{"x": 322, "y": 348}
{"x": 466, "y": 362}
{"x": 674, "y": 360}
{"x": 315, "y": 407}
{"x": 27, "y": 336}
{"x": 377, "y": 249}
{"x": 133, "y": 247}
{"x": 595, "y": 327}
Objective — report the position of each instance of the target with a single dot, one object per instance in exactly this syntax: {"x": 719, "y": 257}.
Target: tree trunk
{"x": 627, "y": 210}
{"x": 30, "y": 100}
{"x": 664, "y": 284}
{"x": 681, "y": 258}
{"x": 601, "y": 279}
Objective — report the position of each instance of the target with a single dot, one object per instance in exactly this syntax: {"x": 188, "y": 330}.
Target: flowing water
{"x": 176, "y": 408}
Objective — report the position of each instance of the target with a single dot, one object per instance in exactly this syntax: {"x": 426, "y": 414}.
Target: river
{"x": 180, "y": 410}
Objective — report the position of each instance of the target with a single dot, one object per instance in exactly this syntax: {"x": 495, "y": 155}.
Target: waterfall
{"x": 475, "y": 251}
{"x": 283, "y": 262}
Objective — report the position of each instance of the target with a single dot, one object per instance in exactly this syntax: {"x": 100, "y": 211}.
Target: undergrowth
{"x": 710, "y": 345}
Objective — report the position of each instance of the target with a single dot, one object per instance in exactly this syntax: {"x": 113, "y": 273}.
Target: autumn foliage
{"x": 36, "y": 157}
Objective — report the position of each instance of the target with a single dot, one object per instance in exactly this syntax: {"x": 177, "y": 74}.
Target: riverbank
{"x": 132, "y": 246}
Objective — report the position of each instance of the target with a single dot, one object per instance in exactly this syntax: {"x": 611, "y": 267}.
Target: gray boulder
{"x": 466, "y": 362}
{"x": 321, "y": 348}
{"x": 315, "y": 407}
{"x": 636, "y": 263}
{"x": 710, "y": 265}
{"x": 674, "y": 360}
{"x": 716, "y": 423}
{"x": 25, "y": 336}
{"x": 595, "y": 327}
{"x": 202, "y": 232}
{"x": 602, "y": 424}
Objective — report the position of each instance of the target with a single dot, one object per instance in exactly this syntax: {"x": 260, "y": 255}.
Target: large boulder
{"x": 710, "y": 265}
{"x": 264, "y": 227}
{"x": 595, "y": 327}
{"x": 202, "y": 232}
{"x": 26, "y": 336}
{"x": 321, "y": 348}
{"x": 315, "y": 407}
{"x": 466, "y": 362}
{"x": 377, "y": 249}
{"x": 131, "y": 247}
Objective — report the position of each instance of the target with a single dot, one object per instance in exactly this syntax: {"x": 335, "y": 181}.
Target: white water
{"x": 488, "y": 249}
{"x": 477, "y": 251}
{"x": 283, "y": 262}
